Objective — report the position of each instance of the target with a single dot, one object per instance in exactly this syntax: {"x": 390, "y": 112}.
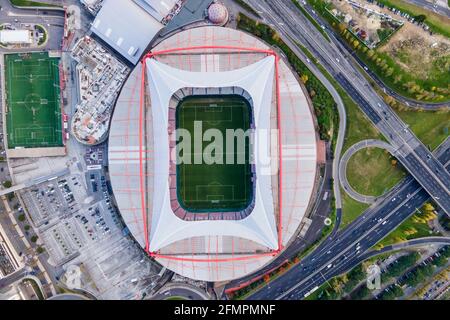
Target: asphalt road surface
{"x": 415, "y": 157}
{"x": 340, "y": 252}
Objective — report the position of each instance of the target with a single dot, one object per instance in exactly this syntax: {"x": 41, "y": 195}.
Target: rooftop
{"x": 126, "y": 27}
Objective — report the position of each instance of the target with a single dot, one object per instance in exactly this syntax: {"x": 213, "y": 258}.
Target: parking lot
{"x": 54, "y": 199}
{"x": 71, "y": 212}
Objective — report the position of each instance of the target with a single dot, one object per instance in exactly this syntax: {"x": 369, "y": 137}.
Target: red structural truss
{"x": 142, "y": 157}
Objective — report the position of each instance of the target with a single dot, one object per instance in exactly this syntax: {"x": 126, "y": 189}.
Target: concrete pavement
{"x": 414, "y": 156}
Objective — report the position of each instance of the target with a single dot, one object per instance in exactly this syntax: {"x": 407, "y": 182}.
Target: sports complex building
{"x": 213, "y": 210}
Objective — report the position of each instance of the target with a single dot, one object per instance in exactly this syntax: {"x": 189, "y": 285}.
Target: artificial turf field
{"x": 33, "y": 101}
{"x": 214, "y": 187}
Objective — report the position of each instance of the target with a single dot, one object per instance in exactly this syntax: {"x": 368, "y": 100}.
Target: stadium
{"x": 213, "y": 154}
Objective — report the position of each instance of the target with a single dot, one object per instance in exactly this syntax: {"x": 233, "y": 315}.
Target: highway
{"x": 439, "y": 7}
{"x": 350, "y": 53}
{"x": 346, "y": 249}
{"x": 415, "y": 157}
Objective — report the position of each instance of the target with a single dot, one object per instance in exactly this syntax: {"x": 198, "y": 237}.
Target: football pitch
{"x": 33, "y": 101}
{"x": 215, "y": 187}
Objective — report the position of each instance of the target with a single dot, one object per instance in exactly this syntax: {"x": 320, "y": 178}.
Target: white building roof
{"x": 15, "y": 36}
{"x": 126, "y": 27}
{"x": 157, "y": 8}
{"x": 164, "y": 81}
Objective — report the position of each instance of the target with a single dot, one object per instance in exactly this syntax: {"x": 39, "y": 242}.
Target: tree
{"x": 420, "y": 18}
{"x": 276, "y": 36}
{"x": 428, "y": 207}
{"x": 341, "y": 27}
{"x": 440, "y": 261}
{"x": 360, "y": 293}
{"x": 34, "y": 238}
{"x": 21, "y": 217}
{"x": 7, "y": 184}
{"x": 394, "y": 162}
{"x": 389, "y": 71}
{"x": 304, "y": 78}
{"x": 391, "y": 293}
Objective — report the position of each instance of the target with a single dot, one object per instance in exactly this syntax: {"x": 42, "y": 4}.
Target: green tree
{"x": 7, "y": 184}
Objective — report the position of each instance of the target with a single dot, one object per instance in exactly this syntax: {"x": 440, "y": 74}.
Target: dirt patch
{"x": 418, "y": 52}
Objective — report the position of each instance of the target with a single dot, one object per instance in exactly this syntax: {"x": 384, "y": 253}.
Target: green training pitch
{"x": 215, "y": 187}
{"x": 33, "y": 101}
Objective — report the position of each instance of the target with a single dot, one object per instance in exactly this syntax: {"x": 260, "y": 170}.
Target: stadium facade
{"x": 212, "y": 245}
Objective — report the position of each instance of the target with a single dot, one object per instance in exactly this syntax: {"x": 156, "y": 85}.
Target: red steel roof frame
{"x": 141, "y": 151}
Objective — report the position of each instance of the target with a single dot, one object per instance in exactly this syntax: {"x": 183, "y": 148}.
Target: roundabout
{"x": 349, "y": 189}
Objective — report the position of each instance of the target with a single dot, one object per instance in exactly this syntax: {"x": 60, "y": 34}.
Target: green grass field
{"x": 33, "y": 101}
{"x": 370, "y": 172}
{"x": 214, "y": 187}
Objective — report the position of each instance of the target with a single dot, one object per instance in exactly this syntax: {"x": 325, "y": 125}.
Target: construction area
{"x": 101, "y": 76}
{"x": 370, "y": 25}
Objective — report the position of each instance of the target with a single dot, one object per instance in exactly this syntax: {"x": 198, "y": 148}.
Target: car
{"x": 329, "y": 266}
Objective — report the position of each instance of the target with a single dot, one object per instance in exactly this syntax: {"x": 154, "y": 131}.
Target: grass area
{"x": 359, "y": 126}
{"x": 43, "y": 40}
{"x": 438, "y": 23}
{"x": 33, "y": 101}
{"x": 373, "y": 171}
{"x": 311, "y": 19}
{"x": 351, "y": 209}
{"x": 27, "y": 3}
{"x": 247, "y": 7}
{"x": 214, "y": 183}
{"x": 432, "y": 88}
{"x": 414, "y": 227}
{"x": 176, "y": 298}
{"x": 431, "y": 127}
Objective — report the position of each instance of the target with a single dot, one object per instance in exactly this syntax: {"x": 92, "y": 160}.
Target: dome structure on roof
{"x": 218, "y": 14}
